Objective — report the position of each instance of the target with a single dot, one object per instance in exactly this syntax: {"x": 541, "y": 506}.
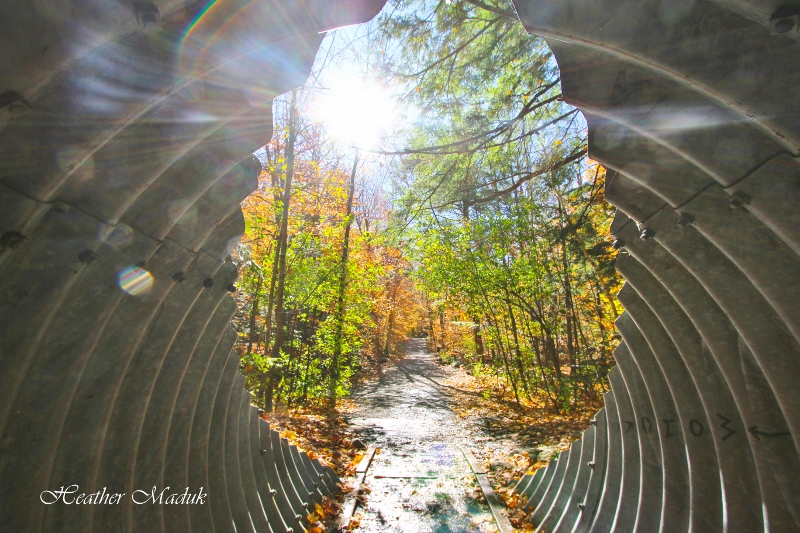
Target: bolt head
{"x": 739, "y": 200}
{"x": 617, "y": 244}
{"x": 784, "y": 19}
{"x": 146, "y": 14}
{"x": 179, "y": 277}
{"x": 783, "y": 26}
{"x": 88, "y": 257}
{"x": 647, "y": 233}
{"x": 231, "y": 288}
{"x": 17, "y": 109}
{"x": 208, "y": 283}
{"x": 12, "y": 240}
{"x": 149, "y": 18}
{"x": 685, "y": 220}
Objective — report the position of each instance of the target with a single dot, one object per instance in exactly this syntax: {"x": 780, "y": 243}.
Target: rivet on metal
{"x": 647, "y": 233}
{"x": 617, "y": 244}
{"x": 581, "y": 506}
{"x": 685, "y": 219}
{"x": 273, "y": 492}
{"x": 289, "y": 530}
{"x": 208, "y": 283}
{"x": 739, "y": 200}
{"x": 594, "y": 421}
{"x": 263, "y": 451}
{"x": 260, "y": 412}
{"x": 231, "y": 287}
{"x": 784, "y": 20}
{"x": 14, "y": 103}
{"x": 297, "y": 517}
{"x": 179, "y": 277}
{"x": 12, "y": 240}
{"x": 88, "y": 257}
{"x": 310, "y": 494}
{"x": 591, "y": 464}
{"x": 146, "y": 13}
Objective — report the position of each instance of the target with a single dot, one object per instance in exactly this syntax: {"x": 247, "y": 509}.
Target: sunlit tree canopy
{"x": 440, "y": 187}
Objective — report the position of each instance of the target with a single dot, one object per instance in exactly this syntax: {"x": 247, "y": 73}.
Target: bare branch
{"x": 527, "y": 177}
{"x": 510, "y": 13}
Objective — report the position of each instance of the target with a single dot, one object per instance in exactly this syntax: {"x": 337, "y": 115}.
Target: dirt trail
{"x": 420, "y": 482}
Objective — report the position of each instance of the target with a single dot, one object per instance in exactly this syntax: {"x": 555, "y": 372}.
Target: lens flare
{"x": 135, "y": 280}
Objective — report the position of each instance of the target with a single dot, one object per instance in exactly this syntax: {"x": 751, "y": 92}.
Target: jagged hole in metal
{"x": 125, "y": 141}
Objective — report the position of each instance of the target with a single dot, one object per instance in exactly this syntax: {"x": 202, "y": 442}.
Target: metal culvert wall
{"x": 126, "y": 134}
{"x": 695, "y": 106}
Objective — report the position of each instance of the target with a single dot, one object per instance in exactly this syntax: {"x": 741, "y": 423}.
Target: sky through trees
{"x": 429, "y": 180}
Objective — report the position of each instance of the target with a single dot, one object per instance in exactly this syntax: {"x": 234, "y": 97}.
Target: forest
{"x": 477, "y": 222}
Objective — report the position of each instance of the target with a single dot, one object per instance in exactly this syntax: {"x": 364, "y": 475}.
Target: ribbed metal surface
{"x": 124, "y": 145}
{"x": 129, "y": 146}
{"x": 694, "y": 105}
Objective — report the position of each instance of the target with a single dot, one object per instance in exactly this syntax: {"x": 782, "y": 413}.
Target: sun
{"x": 354, "y": 111}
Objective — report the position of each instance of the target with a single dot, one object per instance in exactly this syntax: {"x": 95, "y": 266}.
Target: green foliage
{"x": 519, "y": 274}
{"x": 301, "y": 370}
{"x": 505, "y": 214}
{"x": 490, "y": 111}
{"x": 499, "y": 216}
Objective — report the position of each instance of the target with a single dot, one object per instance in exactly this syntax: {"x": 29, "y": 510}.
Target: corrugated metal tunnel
{"x": 126, "y": 134}
{"x": 695, "y": 105}
{"x": 125, "y": 142}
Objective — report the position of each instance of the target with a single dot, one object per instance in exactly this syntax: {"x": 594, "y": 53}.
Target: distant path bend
{"x": 420, "y": 481}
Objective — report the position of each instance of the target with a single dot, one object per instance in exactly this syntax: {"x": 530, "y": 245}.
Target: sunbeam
{"x": 354, "y": 111}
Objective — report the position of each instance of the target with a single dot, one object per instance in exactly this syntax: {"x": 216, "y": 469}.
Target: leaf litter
{"x": 510, "y": 440}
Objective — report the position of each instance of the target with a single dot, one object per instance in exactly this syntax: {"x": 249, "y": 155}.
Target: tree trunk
{"x": 394, "y": 283}
{"x": 477, "y": 338}
{"x": 275, "y": 178}
{"x": 337, "y": 340}
{"x": 281, "y": 251}
{"x": 600, "y": 279}
{"x": 518, "y": 352}
{"x": 254, "y": 314}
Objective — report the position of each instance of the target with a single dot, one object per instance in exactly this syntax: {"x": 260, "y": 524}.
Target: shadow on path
{"x": 420, "y": 481}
